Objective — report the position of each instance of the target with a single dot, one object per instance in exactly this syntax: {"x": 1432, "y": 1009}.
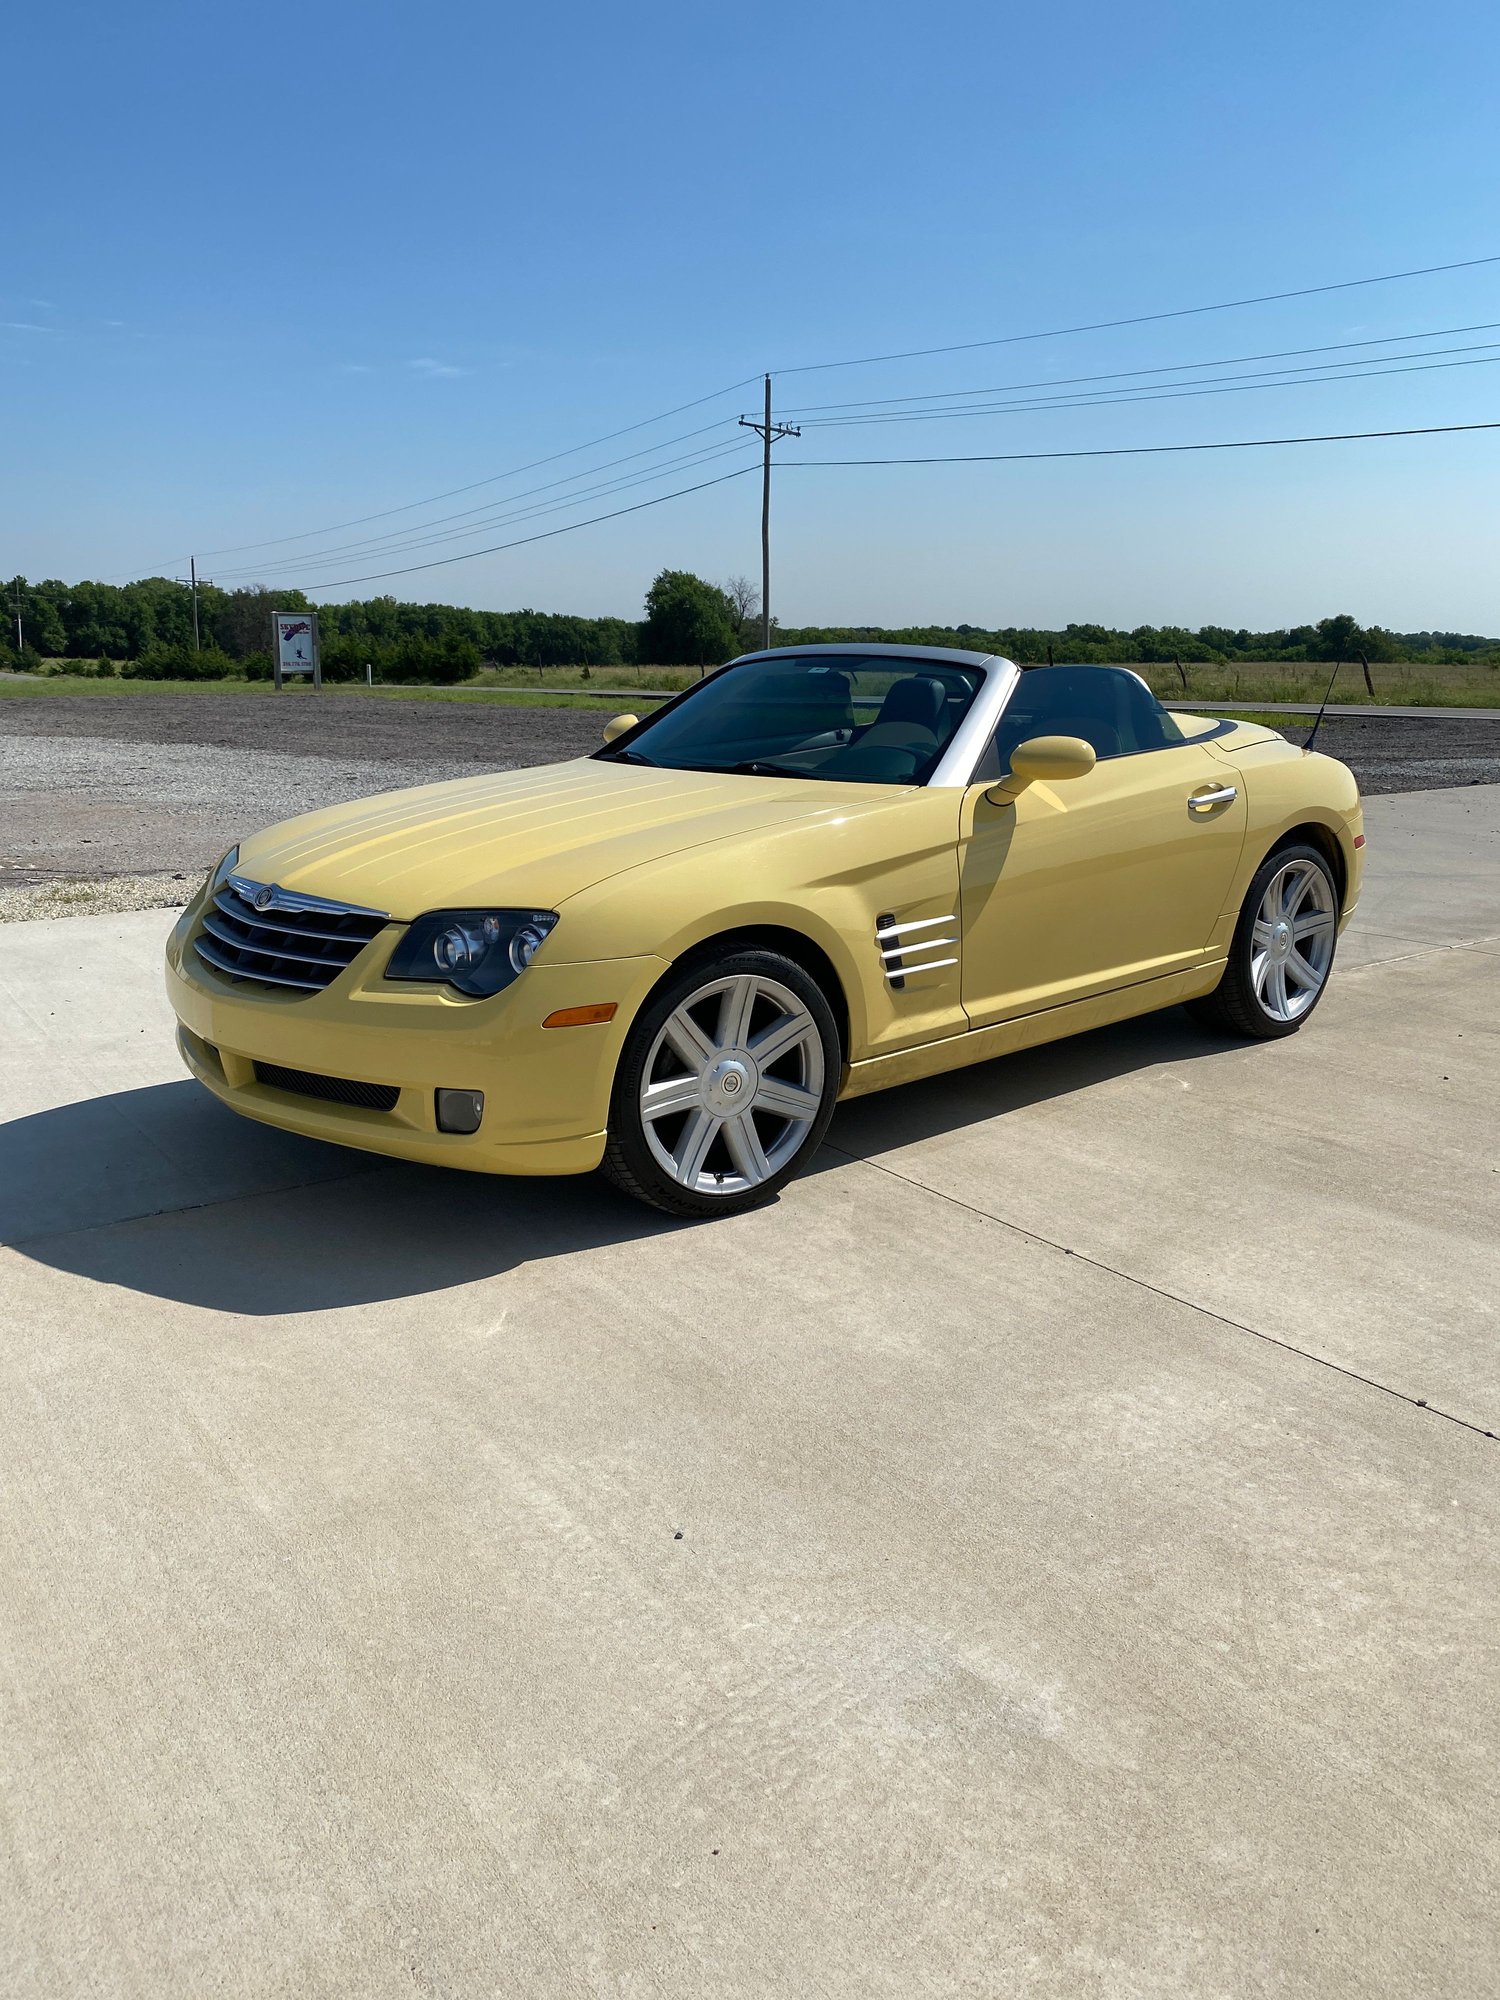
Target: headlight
{"x": 477, "y": 951}
{"x": 216, "y": 874}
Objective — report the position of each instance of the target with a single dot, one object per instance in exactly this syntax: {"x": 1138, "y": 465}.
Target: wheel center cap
{"x": 1281, "y": 941}
{"x": 730, "y": 1084}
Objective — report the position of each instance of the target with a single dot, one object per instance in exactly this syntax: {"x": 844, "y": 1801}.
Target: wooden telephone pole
{"x": 767, "y": 430}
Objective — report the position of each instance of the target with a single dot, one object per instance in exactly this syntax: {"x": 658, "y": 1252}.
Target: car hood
{"x": 528, "y": 838}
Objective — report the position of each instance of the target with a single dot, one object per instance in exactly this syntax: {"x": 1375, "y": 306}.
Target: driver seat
{"x": 911, "y": 716}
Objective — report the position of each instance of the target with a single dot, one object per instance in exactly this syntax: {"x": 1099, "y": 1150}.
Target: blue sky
{"x": 268, "y": 272}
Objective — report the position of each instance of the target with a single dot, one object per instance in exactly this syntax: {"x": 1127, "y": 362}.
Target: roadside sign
{"x": 295, "y": 645}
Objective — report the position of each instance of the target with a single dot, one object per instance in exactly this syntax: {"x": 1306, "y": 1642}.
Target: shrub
{"x": 434, "y": 662}
{"x": 161, "y": 662}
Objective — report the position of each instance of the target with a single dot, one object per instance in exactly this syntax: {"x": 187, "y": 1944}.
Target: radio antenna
{"x": 1323, "y": 705}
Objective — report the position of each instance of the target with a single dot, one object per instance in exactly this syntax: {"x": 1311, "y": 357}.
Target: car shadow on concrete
{"x": 989, "y": 1090}
{"x": 163, "y": 1192}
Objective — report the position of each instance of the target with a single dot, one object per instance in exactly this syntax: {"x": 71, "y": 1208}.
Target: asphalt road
{"x": 127, "y": 785}
{"x": 1051, "y": 1553}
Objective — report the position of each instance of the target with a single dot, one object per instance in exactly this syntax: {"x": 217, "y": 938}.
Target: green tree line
{"x": 145, "y": 629}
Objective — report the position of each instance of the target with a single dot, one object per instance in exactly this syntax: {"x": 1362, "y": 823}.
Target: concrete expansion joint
{"x": 1161, "y": 1292}
{"x": 181, "y": 1208}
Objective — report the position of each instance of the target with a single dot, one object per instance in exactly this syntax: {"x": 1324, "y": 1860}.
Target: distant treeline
{"x": 145, "y": 629}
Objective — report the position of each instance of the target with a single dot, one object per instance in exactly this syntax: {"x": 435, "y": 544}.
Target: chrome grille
{"x": 269, "y": 936}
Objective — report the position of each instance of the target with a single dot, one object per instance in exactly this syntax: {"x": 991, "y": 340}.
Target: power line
{"x": 546, "y": 535}
{"x": 1137, "y": 319}
{"x": 481, "y": 513}
{"x": 1149, "y": 450}
{"x": 390, "y": 545}
{"x": 1141, "y": 319}
{"x": 979, "y": 458}
{"x": 506, "y": 514}
{"x": 499, "y": 507}
{"x": 1147, "y": 393}
{"x": 812, "y": 410}
{"x": 453, "y": 492}
{"x": 492, "y": 479}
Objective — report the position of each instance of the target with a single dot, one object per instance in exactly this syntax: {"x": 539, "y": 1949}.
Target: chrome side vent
{"x": 906, "y": 949}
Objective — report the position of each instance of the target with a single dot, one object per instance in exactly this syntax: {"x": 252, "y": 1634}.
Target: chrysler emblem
{"x": 264, "y": 898}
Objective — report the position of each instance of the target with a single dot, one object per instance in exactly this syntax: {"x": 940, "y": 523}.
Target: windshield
{"x": 857, "y": 718}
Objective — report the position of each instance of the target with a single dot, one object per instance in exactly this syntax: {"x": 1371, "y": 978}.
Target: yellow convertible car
{"x": 820, "y": 871}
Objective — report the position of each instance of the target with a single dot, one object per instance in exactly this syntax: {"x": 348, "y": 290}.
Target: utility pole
{"x": 193, "y": 573}
{"x": 20, "y": 642}
{"x": 767, "y": 430}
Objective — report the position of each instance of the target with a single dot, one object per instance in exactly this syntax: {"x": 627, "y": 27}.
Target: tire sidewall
{"x": 627, "y": 1139}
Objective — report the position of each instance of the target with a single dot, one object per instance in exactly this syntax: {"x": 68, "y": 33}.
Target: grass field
{"x": 1401, "y": 684}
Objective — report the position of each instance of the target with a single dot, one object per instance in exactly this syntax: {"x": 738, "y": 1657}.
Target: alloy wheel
{"x": 732, "y": 1085}
{"x": 1292, "y": 940}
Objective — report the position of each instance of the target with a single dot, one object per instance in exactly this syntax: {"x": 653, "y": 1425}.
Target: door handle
{"x": 1216, "y": 795}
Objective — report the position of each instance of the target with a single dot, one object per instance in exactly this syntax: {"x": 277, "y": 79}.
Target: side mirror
{"x": 1046, "y": 760}
{"x": 617, "y": 726}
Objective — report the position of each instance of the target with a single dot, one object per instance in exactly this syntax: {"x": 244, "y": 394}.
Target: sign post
{"x": 294, "y": 646}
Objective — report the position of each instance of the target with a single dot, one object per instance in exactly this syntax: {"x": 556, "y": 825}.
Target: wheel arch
{"x": 793, "y": 944}
{"x": 1313, "y": 833}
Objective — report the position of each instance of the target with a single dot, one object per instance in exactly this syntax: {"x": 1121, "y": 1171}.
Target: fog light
{"x": 459, "y": 1110}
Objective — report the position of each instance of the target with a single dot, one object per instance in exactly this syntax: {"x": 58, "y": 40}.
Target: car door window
{"x": 1112, "y": 711}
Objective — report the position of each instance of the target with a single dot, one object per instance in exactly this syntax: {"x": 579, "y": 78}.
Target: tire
{"x": 1282, "y": 954}
{"x": 725, "y": 1085}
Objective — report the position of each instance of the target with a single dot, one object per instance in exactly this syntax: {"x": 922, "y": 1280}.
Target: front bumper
{"x": 546, "y": 1090}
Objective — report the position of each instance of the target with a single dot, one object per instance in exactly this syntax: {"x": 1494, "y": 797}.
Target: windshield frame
{"x": 960, "y": 755}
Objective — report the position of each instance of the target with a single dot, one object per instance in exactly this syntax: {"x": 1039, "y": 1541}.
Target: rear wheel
{"x": 1283, "y": 948}
{"x": 725, "y": 1085}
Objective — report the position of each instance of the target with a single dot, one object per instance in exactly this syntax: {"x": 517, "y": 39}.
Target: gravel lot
{"x": 133, "y": 792}
{"x": 152, "y": 784}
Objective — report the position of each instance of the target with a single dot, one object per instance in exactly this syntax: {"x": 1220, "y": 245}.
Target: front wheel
{"x": 1282, "y": 952}
{"x": 725, "y": 1085}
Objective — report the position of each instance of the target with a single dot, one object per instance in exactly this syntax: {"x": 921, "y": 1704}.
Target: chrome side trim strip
{"x": 904, "y": 951}
{"x": 921, "y": 924}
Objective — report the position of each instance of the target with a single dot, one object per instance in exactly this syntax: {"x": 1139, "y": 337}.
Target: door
{"x": 1100, "y": 881}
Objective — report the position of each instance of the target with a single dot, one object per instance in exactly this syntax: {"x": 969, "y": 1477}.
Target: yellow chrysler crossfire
{"x": 820, "y": 871}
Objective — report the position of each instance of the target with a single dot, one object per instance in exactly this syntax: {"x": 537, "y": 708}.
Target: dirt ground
{"x": 154, "y": 785}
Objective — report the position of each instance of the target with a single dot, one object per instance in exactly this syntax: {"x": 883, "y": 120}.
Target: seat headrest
{"x": 919, "y": 699}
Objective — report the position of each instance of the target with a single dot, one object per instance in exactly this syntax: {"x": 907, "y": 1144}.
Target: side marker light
{"x": 583, "y": 1017}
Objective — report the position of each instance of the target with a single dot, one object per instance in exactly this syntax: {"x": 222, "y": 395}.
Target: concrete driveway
{"x": 1052, "y": 1552}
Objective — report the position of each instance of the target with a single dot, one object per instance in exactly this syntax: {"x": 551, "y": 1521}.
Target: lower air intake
{"x": 332, "y": 1089}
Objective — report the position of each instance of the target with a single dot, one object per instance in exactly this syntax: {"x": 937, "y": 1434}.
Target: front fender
{"x": 827, "y": 882}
